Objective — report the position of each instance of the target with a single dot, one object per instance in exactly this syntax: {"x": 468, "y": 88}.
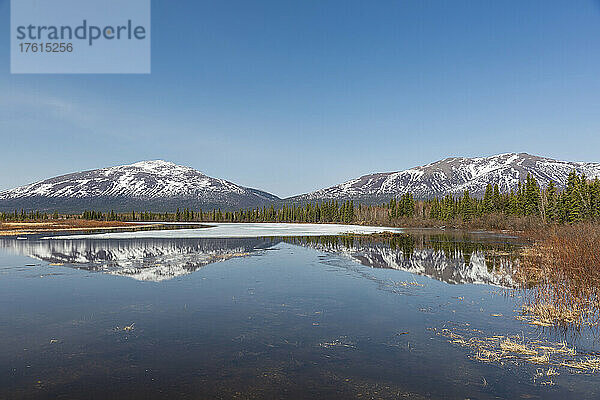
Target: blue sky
{"x": 292, "y": 96}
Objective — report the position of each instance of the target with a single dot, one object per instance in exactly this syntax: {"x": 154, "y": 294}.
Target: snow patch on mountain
{"x": 146, "y": 180}
{"x": 454, "y": 176}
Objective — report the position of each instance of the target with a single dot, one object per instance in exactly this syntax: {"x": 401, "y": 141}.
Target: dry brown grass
{"x": 511, "y": 345}
{"x": 32, "y": 227}
{"x": 561, "y": 272}
{"x": 587, "y": 364}
{"x": 544, "y": 314}
{"x": 519, "y": 349}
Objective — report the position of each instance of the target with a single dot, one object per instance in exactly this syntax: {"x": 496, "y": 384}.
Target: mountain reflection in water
{"x": 448, "y": 258}
{"x": 142, "y": 259}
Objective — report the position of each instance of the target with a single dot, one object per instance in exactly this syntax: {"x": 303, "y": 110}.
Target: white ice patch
{"x": 241, "y": 230}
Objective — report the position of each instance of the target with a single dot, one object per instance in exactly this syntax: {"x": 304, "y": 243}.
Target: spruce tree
{"x": 573, "y": 199}
{"x": 488, "y": 199}
{"x": 551, "y": 203}
{"x": 532, "y": 196}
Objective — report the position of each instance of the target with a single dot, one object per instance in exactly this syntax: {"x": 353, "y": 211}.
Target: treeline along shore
{"x": 529, "y": 207}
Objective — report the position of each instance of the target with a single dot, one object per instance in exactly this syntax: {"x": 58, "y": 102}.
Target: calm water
{"x": 318, "y": 317}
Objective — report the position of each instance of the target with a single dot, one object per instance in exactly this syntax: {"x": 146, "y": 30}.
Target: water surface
{"x": 265, "y": 317}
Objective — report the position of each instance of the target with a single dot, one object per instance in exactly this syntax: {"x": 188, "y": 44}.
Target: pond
{"x": 307, "y": 315}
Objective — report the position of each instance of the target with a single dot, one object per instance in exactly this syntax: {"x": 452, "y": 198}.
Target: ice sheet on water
{"x": 239, "y": 230}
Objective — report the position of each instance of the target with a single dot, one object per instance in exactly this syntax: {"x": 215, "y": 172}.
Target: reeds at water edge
{"x": 561, "y": 272}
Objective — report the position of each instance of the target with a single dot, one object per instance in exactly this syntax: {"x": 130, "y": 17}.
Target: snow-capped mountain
{"x": 164, "y": 186}
{"x": 147, "y": 185}
{"x": 454, "y": 176}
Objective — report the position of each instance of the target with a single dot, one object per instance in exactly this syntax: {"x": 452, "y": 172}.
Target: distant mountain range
{"x": 164, "y": 186}
{"x": 147, "y": 185}
{"x": 454, "y": 176}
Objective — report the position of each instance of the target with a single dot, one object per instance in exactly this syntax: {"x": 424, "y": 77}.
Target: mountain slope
{"x": 164, "y": 186}
{"x": 147, "y": 185}
{"x": 453, "y": 176}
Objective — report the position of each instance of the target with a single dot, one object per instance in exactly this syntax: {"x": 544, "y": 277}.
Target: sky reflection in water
{"x": 264, "y": 318}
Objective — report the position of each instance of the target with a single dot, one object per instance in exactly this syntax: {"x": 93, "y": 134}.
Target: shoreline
{"x": 35, "y": 227}
{"x": 27, "y": 228}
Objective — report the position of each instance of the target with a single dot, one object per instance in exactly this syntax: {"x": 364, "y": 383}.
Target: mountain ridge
{"x": 160, "y": 186}
{"x": 156, "y": 184}
{"x": 453, "y": 176}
